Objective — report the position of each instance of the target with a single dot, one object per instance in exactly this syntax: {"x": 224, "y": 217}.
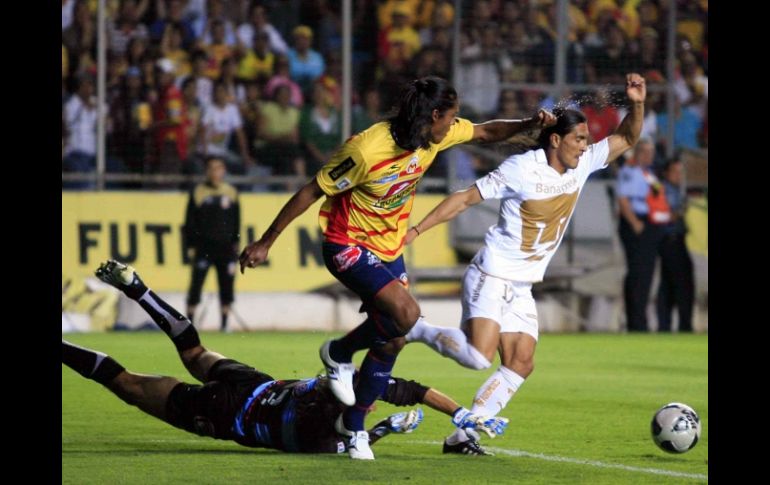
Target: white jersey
{"x": 537, "y": 204}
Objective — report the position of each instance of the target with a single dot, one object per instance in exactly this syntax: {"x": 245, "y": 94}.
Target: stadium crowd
{"x": 258, "y": 82}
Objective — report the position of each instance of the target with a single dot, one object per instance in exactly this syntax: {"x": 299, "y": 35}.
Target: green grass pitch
{"x": 582, "y": 417}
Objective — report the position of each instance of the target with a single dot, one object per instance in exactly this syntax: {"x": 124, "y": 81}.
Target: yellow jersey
{"x": 370, "y": 184}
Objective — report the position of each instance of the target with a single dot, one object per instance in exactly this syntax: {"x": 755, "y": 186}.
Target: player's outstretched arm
{"x": 627, "y": 133}
{"x": 255, "y": 253}
{"x": 499, "y": 130}
{"x": 447, "y": 210}
{"x": 401, "y": 392}
{"x": 491, "y": 425}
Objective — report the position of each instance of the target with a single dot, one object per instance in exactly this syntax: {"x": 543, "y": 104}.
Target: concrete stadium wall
{"x": 557, "y": 312}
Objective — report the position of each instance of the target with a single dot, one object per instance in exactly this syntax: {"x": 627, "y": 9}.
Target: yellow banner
{"x": 144, "y": 229}
{"x": 697, "y": 221}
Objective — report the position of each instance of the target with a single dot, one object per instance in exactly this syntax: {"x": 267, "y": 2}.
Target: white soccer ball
{"x": 675, "y": 428}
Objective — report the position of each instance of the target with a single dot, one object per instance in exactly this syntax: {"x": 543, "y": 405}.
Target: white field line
{"x": 579, "y": 461}
{"x": 527, "y": 454}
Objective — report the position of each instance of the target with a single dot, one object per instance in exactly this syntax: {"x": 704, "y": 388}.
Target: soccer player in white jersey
{"x": 539, "y": 190}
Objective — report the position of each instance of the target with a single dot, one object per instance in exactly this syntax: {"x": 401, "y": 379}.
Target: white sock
{"x": 457, "y": 437}
{"x": 449, "y": 342}
{"x": 495, "y": 393}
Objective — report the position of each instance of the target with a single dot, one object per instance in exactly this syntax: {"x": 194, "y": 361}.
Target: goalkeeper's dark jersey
{"x": 291, "y": 415}
{"x": 250, "y": 407}
{"x": 299, "y": 416}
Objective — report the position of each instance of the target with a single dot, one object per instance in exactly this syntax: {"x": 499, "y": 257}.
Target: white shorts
{"x": 509, "y": 303}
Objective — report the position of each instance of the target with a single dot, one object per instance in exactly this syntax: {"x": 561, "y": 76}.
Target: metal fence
{"x": 507, "y": 58}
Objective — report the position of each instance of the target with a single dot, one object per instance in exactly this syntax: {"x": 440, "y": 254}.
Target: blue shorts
{"x": 361, "y": 270}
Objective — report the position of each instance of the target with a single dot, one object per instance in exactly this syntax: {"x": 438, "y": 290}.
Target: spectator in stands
{"x": 221, "y": 120}
{"x": 136, "y": 51}
{"x": 80, "y": 40}
{"x": 127, "y": 26}
{"x": 212, "y": 232}
{"x": 606, "y": 64}
{"x": 509, "y": 105}
{"x": 148, "y": 67}
{"x": 399, "y": 31}
{"x": 131, "y": 119}
{"x": 251, "y": 111}
{"x": 441, "y": 17}
{"x": 279, "y": 135}
{"x": 236, "y": 92}
{"x": 479, "y": 72}
{"x": 518, "y": 44}
{"x": 691, "y": 84}
{"x": 640, "y": 230}
{"x": 305, "y": 64}
{"x": 650, "y": 57}
{"x": 171, "y": 48}
{"x": 217, "y": 50}
{"x": 320, "y": 128}
{"x": 677, "y": 280}
{"x": 687, "y": 125}
{"x": 171, "y": 12}
{"x": 539, "y": 190}
{"x": 328, "y": 25}
{"x": 195, "y": 110}
{"x": 281, "y": 78}
{"x": 204, "y": 87}
{"x": 169, "y": 121}
{"x": 258, "y": 22}
{"x": 80, "y": 117}
{"x": 202, "y": 26}
{"x": 257, "y": 62}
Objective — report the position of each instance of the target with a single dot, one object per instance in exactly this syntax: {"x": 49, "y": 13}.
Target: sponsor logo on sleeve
{"x": 343, "y": 184}
{"x": 342, "y": 168}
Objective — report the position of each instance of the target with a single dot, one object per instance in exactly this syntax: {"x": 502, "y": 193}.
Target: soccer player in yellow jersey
{"x": 369, "y": 185}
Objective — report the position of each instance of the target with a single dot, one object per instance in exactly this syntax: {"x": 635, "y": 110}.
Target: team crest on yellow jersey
{"x": 413, "y": 164}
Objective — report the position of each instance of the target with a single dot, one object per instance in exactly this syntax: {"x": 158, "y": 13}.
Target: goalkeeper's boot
{"x": 122, "y": 277}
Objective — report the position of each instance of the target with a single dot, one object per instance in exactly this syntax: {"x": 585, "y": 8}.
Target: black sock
{"x": 373, "y": 332}
{"x": 224, "y": 321}
{"x": 178, "y": 327}
{"x": 90, "y": 364}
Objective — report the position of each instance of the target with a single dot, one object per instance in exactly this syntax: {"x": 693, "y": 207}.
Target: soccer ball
{"x": 675, "y": 428}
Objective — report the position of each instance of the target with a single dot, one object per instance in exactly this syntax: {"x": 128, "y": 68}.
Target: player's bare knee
{"x": 523, "y": 367}
{"x": 407, "y": 315}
